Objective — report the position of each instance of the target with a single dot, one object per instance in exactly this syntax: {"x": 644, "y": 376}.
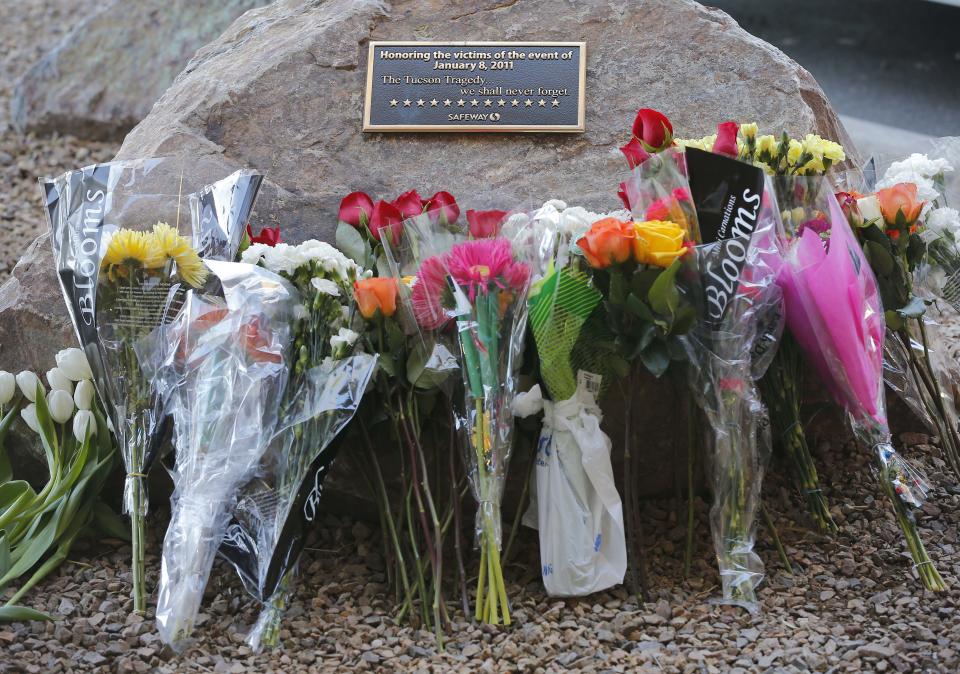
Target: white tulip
{"x": 83, "y": 396}
{"x": 60, "y": 404}
{"x": 81, "y": 422}
{"x": 8, "y": 386}
{"x": 59, "y": 381}
{"x": 28, "y": 383}
{"x": 74, "y": 364}
{"x": 29, "y": 416}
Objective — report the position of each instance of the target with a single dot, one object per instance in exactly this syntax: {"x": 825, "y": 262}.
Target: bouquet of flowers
{"x": 834, "y": 312}
{"x": 116, "y": 269}
{"x": 481, "y": 286}
{"x": 326, "y": 384}
{"x": 221, "y": 366}
{"x": 906, "y": 256}
{"x": 739, "y": 323}
{"x": 414, "y": 369}
{"x": 787, "y": 158}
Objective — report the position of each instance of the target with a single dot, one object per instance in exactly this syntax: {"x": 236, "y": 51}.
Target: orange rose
{"x": 607, "y": 242}
{"x": 900, "y": 197}
{"x": 375, "y": 294}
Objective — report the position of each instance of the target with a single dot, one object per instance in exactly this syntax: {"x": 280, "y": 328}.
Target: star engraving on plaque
{"x": 528, "y": 103}
{"x": 474, "y": 102}
{"x": 406, "y": 103}
{"x": 461, "y": 103}
{"x": 556, "y": 103}
{"x": 542, "y": 103}
{"x": 433, "y": 103}
{"x": 514, "y": 102}
{"x": 447, "y": 103}
{"x": 501, "y": 103}
{"x": 393, "y": 103}
{"x": 487, "y": 103}
{"x": 420, "y": 103}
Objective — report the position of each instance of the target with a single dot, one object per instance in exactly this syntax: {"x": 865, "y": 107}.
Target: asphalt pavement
{"x": 891, "y": 68}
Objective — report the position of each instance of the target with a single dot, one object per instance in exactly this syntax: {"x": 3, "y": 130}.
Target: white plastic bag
{"x": 574, "y": 501}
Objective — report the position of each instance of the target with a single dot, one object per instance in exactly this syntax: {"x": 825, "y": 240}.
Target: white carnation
{"x": 254, "y": 254}
{"x": 917, "y": 164}
{"x": 345, "y": 338}
{"x": 943, "y": 219}
{"x": 323, "y": 285}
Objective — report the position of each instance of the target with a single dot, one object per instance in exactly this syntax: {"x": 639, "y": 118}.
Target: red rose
{"x": 653, "y": 129}
{"x": 356, "y": 209}
{"x": 485, "y": 224}
{"x": 442, "y": 205}
{"x": 409, "y": 204}
{"x": 726, "y": 142}
{"x": 634, "y": 153}
{"x": 386, "y": 215}
{"x": 268, "y": 235}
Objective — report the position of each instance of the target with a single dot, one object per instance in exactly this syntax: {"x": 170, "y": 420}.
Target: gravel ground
{"x": 852, "y": 604}
{"x": 27, "y": 30}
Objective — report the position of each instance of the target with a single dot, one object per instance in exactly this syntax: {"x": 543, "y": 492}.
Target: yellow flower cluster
{"x": 130, "y": 250}
{"x": 784, "y": 155}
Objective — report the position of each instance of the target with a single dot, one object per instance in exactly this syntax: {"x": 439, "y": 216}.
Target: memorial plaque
{"x": 475, "y": 86}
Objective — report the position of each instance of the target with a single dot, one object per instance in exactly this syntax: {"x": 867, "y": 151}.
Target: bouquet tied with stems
{"x": 480, "y": 285}
{"x": 116, "y": 269}
{"x": 739, "y": 324}
{"x": 415, "y": 371}
{"x": 221, "y": 367}
{"x": 326, "y": 382}
{"x": 906, "y": 236}
{"x": 781, "y": 387}
{"x": 835, "y": 312}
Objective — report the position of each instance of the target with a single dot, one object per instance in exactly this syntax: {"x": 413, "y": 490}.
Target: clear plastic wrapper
{"x": 658, "y": 189}
{"x": 222, "y": 365}
{"x": 834, "y": 312}
{"x": 118, "y": 254}
{"x": 729, "y": 348}
{"x": 480, "y": 287}
{"x": 327, "y": 382}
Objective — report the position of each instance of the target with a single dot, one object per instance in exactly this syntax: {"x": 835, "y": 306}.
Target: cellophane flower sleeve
{"x": 327, "y": 380}
{"x": 480, "y": 286}
{"x": 729, "y": 349}
{"x": 658, "y": 189}
{"x": 834, "y": 312}
{"x": 221, "y": 365}
{"x": 116, "y": 270}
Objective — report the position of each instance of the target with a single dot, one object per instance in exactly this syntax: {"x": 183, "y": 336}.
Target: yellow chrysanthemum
{"x": 767, "y": 144}
{"x": 133, "y": 249}
{"x": 177, "y": 248}
{"x": 749, "y": 130}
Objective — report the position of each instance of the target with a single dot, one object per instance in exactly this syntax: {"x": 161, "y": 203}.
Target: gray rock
{"x": 312, "y": 57}
{"x": 692, "y": 62}
{"x": 105, "y": 74}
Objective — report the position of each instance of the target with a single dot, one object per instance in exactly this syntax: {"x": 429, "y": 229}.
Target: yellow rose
{"x": 657, "y": 242}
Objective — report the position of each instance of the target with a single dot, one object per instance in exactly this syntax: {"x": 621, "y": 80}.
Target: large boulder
{"x": 103, "y": 76}
{"x": 282, "y": 90}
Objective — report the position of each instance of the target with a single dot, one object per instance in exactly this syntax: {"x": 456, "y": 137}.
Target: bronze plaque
{"x": 475, "y": 86}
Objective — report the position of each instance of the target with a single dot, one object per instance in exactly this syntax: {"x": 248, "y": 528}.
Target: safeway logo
{"x": 474, "y": 117}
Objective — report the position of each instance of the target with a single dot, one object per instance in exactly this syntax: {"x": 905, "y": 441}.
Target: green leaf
{"x": 656, "y": 359}
{"x": 618, "y": 287}
{"x": 684, "y": 320}
{"x": 893, "y": 319}
{"x": 636, "y": 307}
{"x": 418, "y": 373}
{"x": 620, "y": 366}
{"x": 880, "y": 259}
{"x": 350, "y": 241}
{"x": 21, "y": 614}
{"x": 916, "y": 249}
{"x": 48, "y": 433}
{"x": 5, "y": 560}
{"x": 643, "y": 279}
{"x": 664, "y": 297}
{"x": 34, "y": 547}
{"x": 108, "y": 522}
{"x": 13, "y": 492}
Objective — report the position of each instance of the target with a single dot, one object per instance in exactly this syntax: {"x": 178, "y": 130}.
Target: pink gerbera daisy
{"x": 426, "y": 297}
{"x": 484, "y": 263}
